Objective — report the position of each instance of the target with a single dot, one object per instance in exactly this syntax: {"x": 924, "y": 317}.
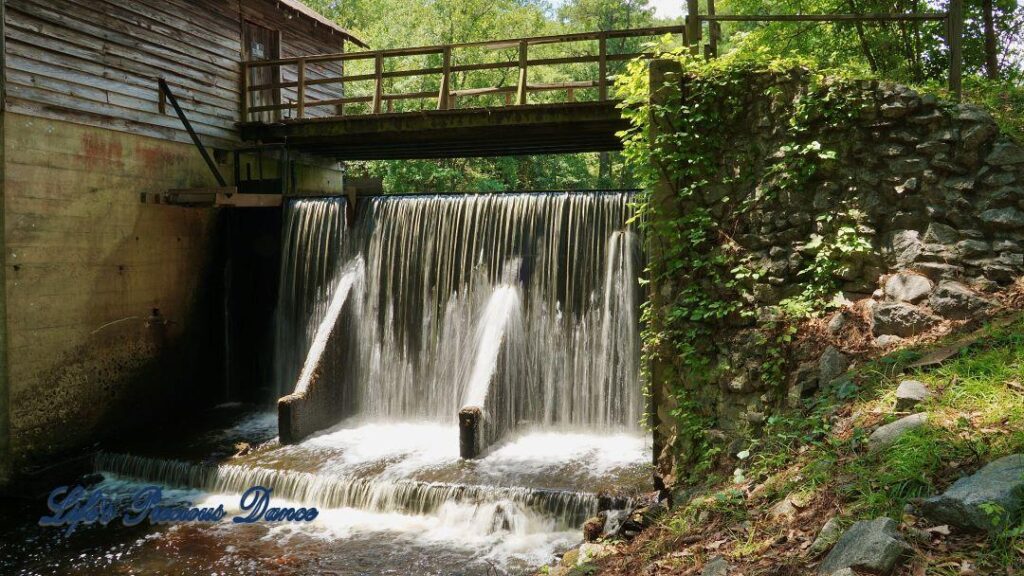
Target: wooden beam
{"x": 602, "y": 69}
{"x": 300, "y": 111}
{"x": 378, "y": 87}
{"x": 693, "y": 25}
{"x": 956, "y": 57}
{"x": 446, "y": 65}
{"x": 248, "y": 200}
{"x": 523, "y": 63}
{"x": 714, "y": 30}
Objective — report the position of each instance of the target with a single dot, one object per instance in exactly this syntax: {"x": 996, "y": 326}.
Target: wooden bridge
{"x": 319, "y": 104}
{"x": 521, "y": 116}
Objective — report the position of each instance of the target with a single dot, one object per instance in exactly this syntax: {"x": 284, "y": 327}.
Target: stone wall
{"x": 939, "y": 195}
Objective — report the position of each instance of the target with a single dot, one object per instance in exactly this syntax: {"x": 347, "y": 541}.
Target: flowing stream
{"x": 525, "y": 305}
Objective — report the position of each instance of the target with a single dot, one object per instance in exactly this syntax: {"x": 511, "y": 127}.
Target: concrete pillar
{"x": 471, "y": 423}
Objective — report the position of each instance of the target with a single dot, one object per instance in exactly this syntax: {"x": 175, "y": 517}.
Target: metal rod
{"x": 192, "y": 133}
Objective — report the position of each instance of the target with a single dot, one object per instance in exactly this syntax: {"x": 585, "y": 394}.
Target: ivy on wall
{"x": 709, "y": 181}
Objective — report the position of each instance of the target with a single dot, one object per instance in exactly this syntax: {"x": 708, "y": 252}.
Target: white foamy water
{"x": 504, "y": 532}
{"x": 595, "y": 455}
{"x": 351, "y": 277}
{"x": 405, "y": 448}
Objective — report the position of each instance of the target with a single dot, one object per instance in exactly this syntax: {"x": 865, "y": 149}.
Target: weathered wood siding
{"x": 96, "y": 62}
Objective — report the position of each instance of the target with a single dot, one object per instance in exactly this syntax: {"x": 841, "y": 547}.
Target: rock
{"x": 836, "y": 324}
{"x": 972, "y": 248}
{"x": 910, "y": 393}
{"x": 906, "y": 245}
{"x": 831, "y": 365}
{"x": 1005, "y": 153}
{"x": 894, "y": 110}
{"x": 784, "y": 509}
{"x": 827, "y": 536}
{"x": 886, "y": 340}
{"x": 844, "y": 572}
{"x": 590, "y": 551}
{"x": 956, "y": 301}
{"x": 907, "y": 287}
{"x": 592, "y": 529}
{"x": 889, "y": 433}
{"x": 938, "y": 233}
{"x": 1000, "y": 483}
{"x": 1003, "y": 218}
{"x": 901, "y": 319}
{"x": 717, "y": 566}
{"x": 873, "y": 546}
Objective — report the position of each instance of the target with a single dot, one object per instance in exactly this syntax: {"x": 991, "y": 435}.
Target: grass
{"x": 818, "y": 457}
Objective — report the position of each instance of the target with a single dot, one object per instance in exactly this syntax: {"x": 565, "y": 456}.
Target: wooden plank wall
{"x": 299, "y": 38}
{"x": 96, "y": 62}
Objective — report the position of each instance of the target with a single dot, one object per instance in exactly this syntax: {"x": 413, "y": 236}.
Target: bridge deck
{"x": 456, "y": 100}
{"x": 530, "y": 129}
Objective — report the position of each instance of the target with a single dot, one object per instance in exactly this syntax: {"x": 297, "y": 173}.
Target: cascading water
{"x": 525, "y": 305}
{"x": 560, "y": 267}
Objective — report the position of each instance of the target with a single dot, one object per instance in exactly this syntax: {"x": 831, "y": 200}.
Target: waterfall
{"x": 519, "y": 309}
{"x": 313, "y": 237}
{"x": 444, "y": 278}
{"x": 568, "y": 508}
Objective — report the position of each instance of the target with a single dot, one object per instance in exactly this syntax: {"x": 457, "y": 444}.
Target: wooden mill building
{"x": 112, "y": 303}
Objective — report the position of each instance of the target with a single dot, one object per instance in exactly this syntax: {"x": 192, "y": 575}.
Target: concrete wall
{"x": 86, "y": 265}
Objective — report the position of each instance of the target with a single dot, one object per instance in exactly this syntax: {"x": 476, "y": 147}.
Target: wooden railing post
{"x": 693, "y": 33}
{"x": 956, "y": 58}
{"x": 602, "y": 68}
{"x": 300, "y": 111}
{"x": 521, "y": 89}
{"x": 446, "y": 66}
{"x": 244, "y": 111}
{"x": 378, "y": 88}
{"x": 714, "y": 31}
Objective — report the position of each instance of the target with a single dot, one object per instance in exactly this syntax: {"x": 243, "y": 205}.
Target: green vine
{"x": 704, "y": 178}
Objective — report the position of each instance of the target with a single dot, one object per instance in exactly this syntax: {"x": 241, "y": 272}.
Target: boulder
{"x": 956, "y": 301}
{"x": 910, "y": 393}
{"x": 908, "y": 287}
{"x": 901, "y": 319}
{"x": 998, "y": 487}
{"x": 831, "y": 365}
{"x": 872, "y": 546}
{"x": 827, "y": 536}
{"x": 886, "y": 435}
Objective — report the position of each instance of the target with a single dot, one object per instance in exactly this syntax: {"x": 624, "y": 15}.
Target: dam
{"x": 391, "y": 320}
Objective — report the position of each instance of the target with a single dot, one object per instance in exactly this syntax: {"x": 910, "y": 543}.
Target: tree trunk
{"x": 991, "y": 54}
{"x": 865, "y": 48}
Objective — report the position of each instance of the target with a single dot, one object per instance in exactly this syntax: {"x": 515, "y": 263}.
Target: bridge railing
{"x": 293, "y": 91}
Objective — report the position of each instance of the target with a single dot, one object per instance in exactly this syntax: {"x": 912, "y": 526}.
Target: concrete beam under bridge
{"x": 474, "y": 132}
